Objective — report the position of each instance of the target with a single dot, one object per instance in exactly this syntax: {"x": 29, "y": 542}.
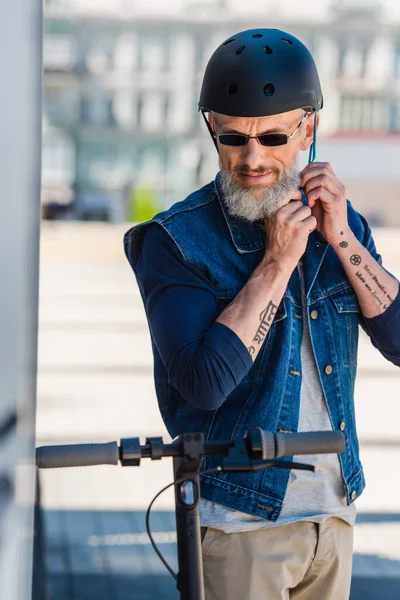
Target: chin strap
{"x": 209, "y": 129}
{"x": 313, "y": 147}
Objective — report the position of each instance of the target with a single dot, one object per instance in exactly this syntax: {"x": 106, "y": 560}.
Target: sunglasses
{"x": 267, "y": 139}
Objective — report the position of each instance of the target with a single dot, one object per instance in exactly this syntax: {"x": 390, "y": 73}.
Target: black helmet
{"x": 260, "y": 72}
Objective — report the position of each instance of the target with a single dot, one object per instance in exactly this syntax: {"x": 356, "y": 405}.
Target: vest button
{"x": 342, "y": 425}
{"x": 328, "y": 369}
{"x": 314, "y": 314}
{"x": 353, "y": 495}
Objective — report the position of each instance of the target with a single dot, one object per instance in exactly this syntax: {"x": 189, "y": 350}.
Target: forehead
{"x": 260, "y": 123}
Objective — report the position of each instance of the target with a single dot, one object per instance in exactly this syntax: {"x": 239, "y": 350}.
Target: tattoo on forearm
{"x": 383, "y": 303}
{"x": 266, "y": 319}
{"x": 251, "y": 349}
{"x": 375, "y": 279}
{"x": 355, "y": 259}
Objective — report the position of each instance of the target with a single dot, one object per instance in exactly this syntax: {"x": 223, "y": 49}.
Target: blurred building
{"x": 122, "y": 80}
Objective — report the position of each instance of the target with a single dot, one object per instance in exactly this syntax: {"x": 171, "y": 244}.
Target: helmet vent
{"x": 240, "y": 50}
{"x": 257, "y": 35}
{"x": 267, "y": 50}
{"x": 287, "y": 41}
{"x": 269, "y": 89}
{"x": 228, "y": 41}
{"x": 232, "y": 89}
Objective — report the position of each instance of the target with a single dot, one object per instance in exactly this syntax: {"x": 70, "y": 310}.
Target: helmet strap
{"x": 313, "y": 147}
{"x": 209, "y": 129}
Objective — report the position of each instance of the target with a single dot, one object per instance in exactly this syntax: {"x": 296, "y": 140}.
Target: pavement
{"x": 95, "y": 383}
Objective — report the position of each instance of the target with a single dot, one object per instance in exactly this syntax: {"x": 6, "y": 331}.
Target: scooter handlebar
{"x": 290, "y": 444}
{"x": 273, "y": 446}
{"x": 77, "y": 455}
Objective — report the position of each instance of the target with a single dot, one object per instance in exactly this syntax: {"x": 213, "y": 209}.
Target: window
{"x": 152, "y": 111}
{"x": 124, "y": 108}
{"x": 60, "y": 105}
{"x": 125, "y": 53}
{"x": 95, "y": 108}
{"x": 368, "y": 113}
{"x": 152, "y": 54}
{"x": 58, "y": 160}
{"x": 396, "y": 60}
{"x": 59, "y": 52}
{"x": 395, "y": 115}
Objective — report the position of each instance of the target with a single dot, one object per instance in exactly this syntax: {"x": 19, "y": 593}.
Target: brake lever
{"x": 259, "y": 465}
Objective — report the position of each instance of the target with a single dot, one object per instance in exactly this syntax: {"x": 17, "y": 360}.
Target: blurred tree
{"x": 142, "y": 203}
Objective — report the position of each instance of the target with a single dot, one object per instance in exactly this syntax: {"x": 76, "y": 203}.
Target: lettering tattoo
{"x": 266, "y": 319}
{"x": 383, "y": 303}
{"x": 251, "y": 349}
{"x": 375, "y": 279}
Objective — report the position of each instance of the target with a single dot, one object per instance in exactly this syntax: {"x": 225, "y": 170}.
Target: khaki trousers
{"x": 297, "y": 561}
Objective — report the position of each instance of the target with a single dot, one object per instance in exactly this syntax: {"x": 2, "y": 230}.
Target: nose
{"x": 253, "y": 153}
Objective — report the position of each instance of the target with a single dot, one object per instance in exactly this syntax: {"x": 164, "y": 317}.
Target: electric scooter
{"x": 257, "y": 450}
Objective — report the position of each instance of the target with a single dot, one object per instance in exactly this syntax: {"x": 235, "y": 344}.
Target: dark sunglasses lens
{"x": 232, "y": 139}
{"x": 273, "y": 139}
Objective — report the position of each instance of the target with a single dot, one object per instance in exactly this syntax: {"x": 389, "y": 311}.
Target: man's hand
{"x": 326, "y": 197}
{"x": 287, "y": 232}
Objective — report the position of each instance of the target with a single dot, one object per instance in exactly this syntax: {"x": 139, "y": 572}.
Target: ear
{"x": 307, "y": 135}
{"x": 210, "y": 119}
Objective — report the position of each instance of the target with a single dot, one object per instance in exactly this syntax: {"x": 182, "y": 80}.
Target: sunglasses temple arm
{"x": 209, "y": 129}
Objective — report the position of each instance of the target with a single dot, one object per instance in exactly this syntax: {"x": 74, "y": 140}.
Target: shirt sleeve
{"x": 383, "y": 329}
{"x": 204, "y": 360}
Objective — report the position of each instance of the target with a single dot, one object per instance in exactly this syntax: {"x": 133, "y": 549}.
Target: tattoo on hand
{"x": 355, "y": 259}
{"x": 266, "y": 319}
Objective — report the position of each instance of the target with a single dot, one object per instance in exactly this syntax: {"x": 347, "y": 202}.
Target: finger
{"x": 316, "y": 172}
{"x": 294, "y": 194}
{"x": 301, "y": 213}
{"x": 322, "y": 180}
{"x": 290, "y": 207}
{"x": 310, "y": 223}
{"x": 317, "y": 165}
{"x": 321, "y": 194}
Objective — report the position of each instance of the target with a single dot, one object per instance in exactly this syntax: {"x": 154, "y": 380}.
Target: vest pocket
{"x": 348, "y": 309}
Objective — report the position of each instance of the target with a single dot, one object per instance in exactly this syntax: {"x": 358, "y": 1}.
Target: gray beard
{"x": 241, "y": 202}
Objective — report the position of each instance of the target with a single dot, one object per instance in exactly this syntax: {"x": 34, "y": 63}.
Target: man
{"x": 254, "y": 287}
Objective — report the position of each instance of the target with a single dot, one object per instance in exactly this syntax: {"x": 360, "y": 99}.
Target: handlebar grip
{"x": 77, "y": 455}
{"x": 313, "y": 442}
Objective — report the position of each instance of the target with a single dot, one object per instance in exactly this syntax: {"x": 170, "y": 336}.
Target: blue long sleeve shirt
{"x": 206, "y": 360}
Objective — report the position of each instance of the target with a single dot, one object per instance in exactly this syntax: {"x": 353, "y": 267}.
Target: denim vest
{"x": 227, "y": 249}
